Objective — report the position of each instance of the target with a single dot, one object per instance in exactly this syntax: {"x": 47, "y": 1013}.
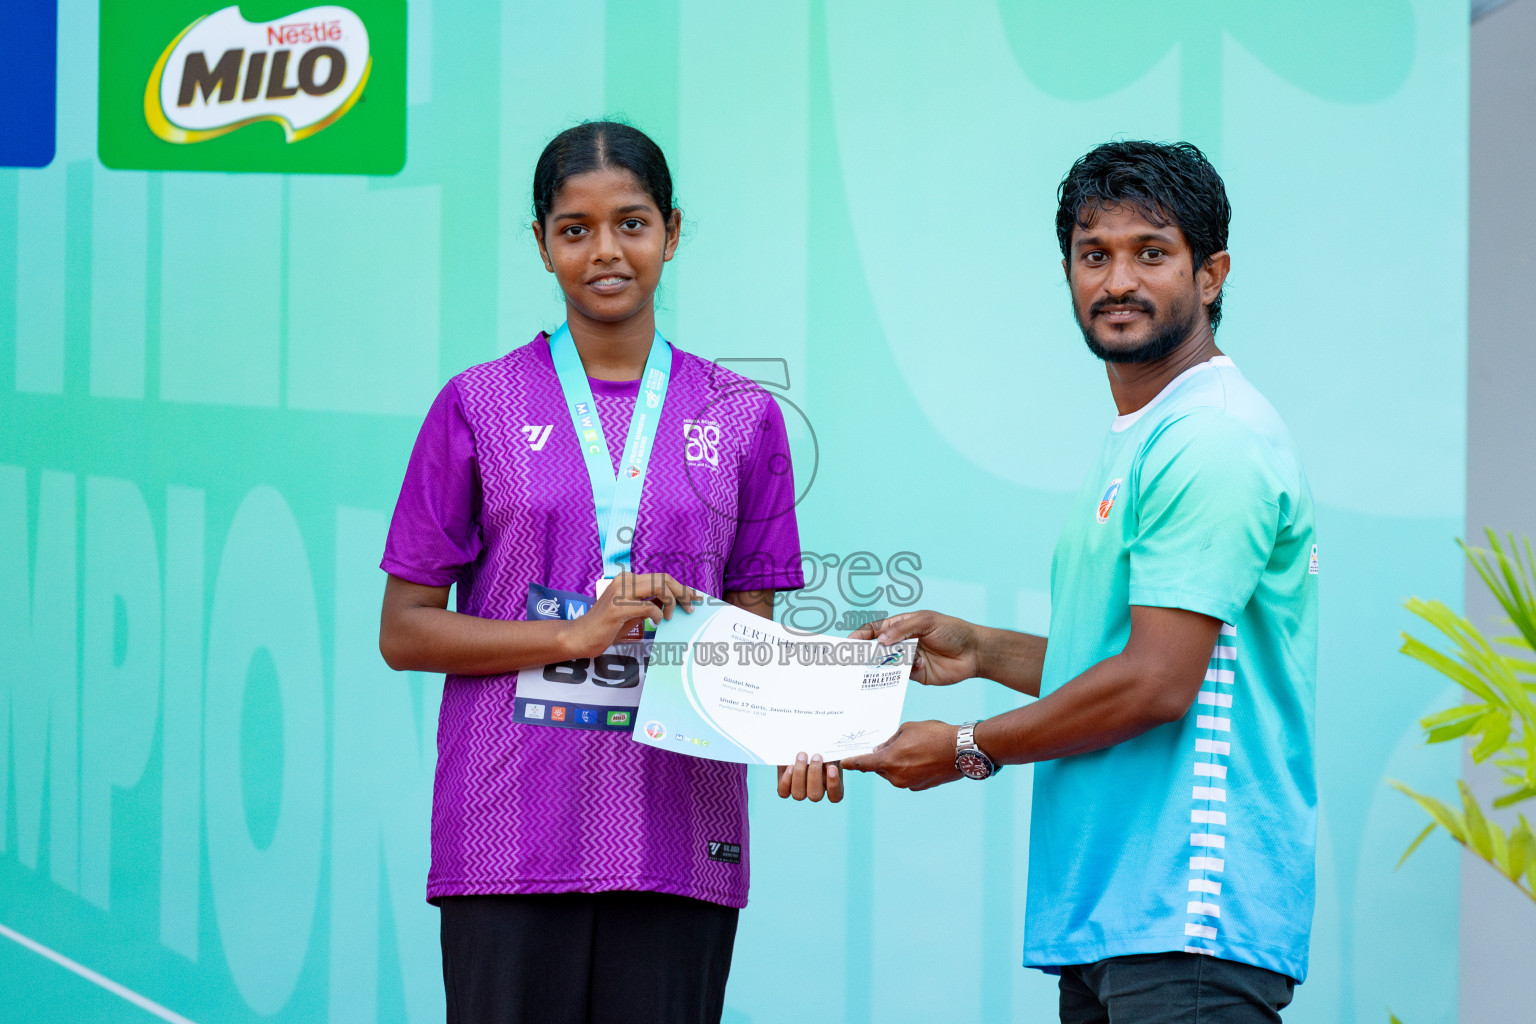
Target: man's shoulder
{"x": 1228, "y": 438}
{"x": 1220, "y": 409}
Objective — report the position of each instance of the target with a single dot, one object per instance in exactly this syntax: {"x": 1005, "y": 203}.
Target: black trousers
{"x": 1172, "y": 988}
{"x": 585, "y": 958}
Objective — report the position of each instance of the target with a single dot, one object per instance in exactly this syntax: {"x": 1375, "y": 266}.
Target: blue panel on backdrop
{"x": 29, "y": 57}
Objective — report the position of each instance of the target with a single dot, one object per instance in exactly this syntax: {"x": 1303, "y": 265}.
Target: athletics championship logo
{"x": 319, "y": 89}
{"x": 1108, "y": 501}
{"x": 655, "y": 730}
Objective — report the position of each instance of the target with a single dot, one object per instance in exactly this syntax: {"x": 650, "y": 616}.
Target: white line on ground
{"x": 148, "y": 1005}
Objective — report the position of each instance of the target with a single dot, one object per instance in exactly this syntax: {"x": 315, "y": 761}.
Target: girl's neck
{"x": 613, "y": 351}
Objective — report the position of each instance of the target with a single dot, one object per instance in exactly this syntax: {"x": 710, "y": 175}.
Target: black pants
{"x": 586, "y": 958}
{"x": 1172, "y": 988}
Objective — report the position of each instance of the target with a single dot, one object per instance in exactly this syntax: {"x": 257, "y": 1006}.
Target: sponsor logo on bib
{"x": 1108, "y": 501}
{"x": 548, "y": 607}
{"x": 655, "y": 730}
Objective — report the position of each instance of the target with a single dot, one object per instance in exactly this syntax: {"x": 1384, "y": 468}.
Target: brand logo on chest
{"x": 703, "y": 441}
{"x": 537, "y": 435}
{"x": 1107, "y": 502}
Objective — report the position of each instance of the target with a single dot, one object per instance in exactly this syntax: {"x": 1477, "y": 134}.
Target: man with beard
{"x": 1174, "y": 822}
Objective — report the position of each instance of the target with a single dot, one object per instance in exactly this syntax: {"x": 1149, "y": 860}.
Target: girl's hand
{"x": 811, "y": 779}
{"x": 622, "y": 602}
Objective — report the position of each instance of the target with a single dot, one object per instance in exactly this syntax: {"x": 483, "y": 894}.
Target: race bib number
{"x": 587, "y": 693}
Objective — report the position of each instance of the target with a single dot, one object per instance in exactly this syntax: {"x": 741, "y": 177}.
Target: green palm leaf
{"x": 1499, "y": 722}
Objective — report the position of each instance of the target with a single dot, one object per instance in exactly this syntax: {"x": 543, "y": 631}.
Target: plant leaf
{"x": 1498, "y": 845}
{"x": 1453, "y": 714}
{"x": 1522, "y": 849}
{"x": 1518, "y": 795}
{"x": 1415, "y": 844}
{"x": 1454, "y": 731}
{"x": 1495, "y": 727}
{"x": 1479, "y": 834}
{"x": 1420, "y": 651}
{"x": 1509, "y": 578}
{"x": 1442, "y": 813}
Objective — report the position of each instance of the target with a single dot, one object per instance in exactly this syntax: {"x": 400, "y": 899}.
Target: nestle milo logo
{"x": 222, "y": 73}
{"x": 256, "y": 86}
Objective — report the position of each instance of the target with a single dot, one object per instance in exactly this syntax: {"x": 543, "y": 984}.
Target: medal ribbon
{"x": 616, "y": 500}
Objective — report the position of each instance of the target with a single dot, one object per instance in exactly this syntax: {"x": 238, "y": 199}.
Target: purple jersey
{"x": 496, "y": 497}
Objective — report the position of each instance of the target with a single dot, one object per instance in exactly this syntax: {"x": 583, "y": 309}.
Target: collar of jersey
{"x": 1125, "y": 422}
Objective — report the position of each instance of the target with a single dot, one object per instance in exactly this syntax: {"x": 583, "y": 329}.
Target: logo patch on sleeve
{"x": 725, "y": 853}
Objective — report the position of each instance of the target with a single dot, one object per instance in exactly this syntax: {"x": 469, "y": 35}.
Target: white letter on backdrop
{"x": 37, "y": 630}
{"x": 385, "y": 743}
{"x": 264, "y": 898}
{"x": 181, "y": 819}
{"x": 120, "y": 701}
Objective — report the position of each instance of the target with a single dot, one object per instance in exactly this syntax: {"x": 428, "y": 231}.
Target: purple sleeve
{"x": 766, "y": 554}
{"x": 435, "y": 532}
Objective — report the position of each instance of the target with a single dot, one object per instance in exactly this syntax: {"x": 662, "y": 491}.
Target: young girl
{"x": 584, "y": 481}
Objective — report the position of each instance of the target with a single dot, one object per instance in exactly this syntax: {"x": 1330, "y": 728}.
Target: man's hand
{"x": 809, "y": 778}
{"x": 920, "y": 756}
{"x": 947, "y": 647}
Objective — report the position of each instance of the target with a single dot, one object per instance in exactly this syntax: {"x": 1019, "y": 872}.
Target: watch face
{"x": 973, "y": 764}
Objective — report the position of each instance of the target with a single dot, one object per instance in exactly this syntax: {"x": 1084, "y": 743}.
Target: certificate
{"x": 728, "y": 685}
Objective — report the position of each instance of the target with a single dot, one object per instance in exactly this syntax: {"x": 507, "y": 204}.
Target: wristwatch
{"x": 969, "y": 760}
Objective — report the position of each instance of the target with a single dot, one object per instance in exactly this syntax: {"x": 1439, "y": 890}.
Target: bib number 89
{"x": 617, "y": 671}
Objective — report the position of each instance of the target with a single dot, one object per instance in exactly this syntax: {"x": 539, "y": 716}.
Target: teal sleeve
{"x": 1208, "y": 497}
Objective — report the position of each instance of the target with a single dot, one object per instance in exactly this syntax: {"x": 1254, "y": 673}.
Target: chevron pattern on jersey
{"x": 524, "y": 808}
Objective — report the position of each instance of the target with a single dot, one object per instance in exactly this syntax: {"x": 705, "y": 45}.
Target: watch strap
{"x": 965, "y": 744}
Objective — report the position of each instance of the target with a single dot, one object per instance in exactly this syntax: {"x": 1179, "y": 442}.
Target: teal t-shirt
{"x": 1197, "y": 835}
